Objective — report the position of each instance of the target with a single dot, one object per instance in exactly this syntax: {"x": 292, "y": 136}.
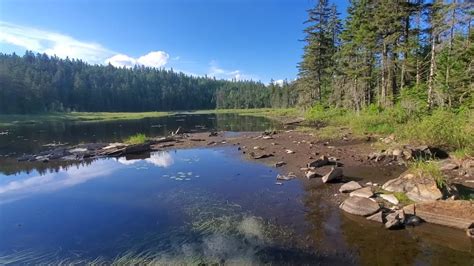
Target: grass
{"x": 10, "y": 120}
{"x": 431, "y": 169}
{"x": 272, "y": 113}
{"x": 136, "y": 139}
{"x": 402, "y": 198}
{"x": 441, "y": 128}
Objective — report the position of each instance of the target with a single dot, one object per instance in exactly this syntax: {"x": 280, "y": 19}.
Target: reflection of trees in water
{"x": 10, "y": 166}
{"x": 30, "y": 138}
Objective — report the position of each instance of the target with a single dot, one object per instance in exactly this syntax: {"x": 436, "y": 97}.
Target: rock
{"x": 289, "y": 151}
{"x": 470, "y": 231}
{"x": 260, "y": 156}
{"x": 323, "y": 160}
{"x": 467, "y": 163}
{"x": 417, "y": 187}
{"x": 365, "y": 192}
{"x": 267, "y": 137}
{"x": 279, "y": 164}
{"x": 380, "y": 157}
{"x": 390, "y": 198}
{"x": 283, "y": 177}
{"x": 257, "y": 148}
{"x": 138, "y": 148}
{"x": 395, "y": 220}
{"x": 454, "y": 213}
{"x": 397, "y": 152}
{"x": 377, "y": 217}
{"x": 311, "y": 174}
{"x": 334, "y": 174}
{"x": 78, "y": 150}
{"x": 413, "y": 220}
{"x": 213, "y": 134}
{"x": 359, "y": 206}
{"x": 446, "y": 165}
{"x": 349, "y": 186}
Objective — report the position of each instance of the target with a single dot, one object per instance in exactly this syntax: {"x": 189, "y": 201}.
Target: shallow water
{"x": 198, "y": 205}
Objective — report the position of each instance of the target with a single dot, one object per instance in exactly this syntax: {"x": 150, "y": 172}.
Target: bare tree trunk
{"x": 432, "y": 71}
{"x": 383, "y": 93}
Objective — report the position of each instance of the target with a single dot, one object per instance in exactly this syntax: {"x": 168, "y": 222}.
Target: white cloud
{"x": 63, "y": 46}
{"x": 154, "y": 59}
{"x": 160, "y": 159}
{"x": 221, "y": 73}
{"x": 279, "y": 82}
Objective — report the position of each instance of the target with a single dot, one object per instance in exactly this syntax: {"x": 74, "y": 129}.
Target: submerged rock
{"x": 334, "y": 174}
{"x": 349, "y": 186}
{"x": 365, "y": 192}
{"x": 417, "y": 187}
{"x": 359, "y": 206}
{"x": 279, "y": 164}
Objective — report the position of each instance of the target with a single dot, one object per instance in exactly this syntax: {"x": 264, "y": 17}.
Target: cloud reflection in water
{"x": 31, "y": 185}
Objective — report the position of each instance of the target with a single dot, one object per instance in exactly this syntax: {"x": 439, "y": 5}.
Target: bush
{"x": 429, "y": 168}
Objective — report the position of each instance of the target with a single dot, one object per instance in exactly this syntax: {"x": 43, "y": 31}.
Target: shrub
{"x": 429, "y": 168}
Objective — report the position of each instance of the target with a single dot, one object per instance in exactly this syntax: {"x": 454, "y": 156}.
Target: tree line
{"x": 413, "y": 53}
{"x": 35, "y": 83}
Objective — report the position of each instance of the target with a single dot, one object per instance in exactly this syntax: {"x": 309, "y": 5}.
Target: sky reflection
{"x": 31, "y": 184}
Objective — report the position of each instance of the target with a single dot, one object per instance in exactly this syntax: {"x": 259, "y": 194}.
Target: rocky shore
{"x": 406, "y": 200}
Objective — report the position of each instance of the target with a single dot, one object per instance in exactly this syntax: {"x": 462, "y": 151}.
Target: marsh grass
{"x": 136, "y": 139}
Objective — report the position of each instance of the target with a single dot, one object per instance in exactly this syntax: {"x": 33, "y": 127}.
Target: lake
{"x": 205, "y": 205}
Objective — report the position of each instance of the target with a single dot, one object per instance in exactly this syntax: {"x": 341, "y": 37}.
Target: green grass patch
{"x": 431, "y": 169}
{"x": 402, "y": 198}
{"x": 136, "y": 139}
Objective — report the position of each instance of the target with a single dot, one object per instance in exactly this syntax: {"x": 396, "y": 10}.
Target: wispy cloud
{"x": 216, "y": 71}
{"x": 63, "y": 46}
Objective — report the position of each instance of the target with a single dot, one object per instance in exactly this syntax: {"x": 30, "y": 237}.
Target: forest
{"x": 410, "y": 54}
{"x": 36, "y": 83}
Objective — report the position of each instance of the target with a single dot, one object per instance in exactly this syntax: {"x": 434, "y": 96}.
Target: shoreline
{"x": 290, "y": 151}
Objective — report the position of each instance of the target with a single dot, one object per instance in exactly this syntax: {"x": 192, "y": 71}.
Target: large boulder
{"x": 453, "y": 213}
{"x": 359, "y": 206}
{"x": 334, "y": 174}
{"x": 349, "y": 186}
{"x": 390, "y": 198}
{"x": 395, "y": 220}
{"x": 417, "y": 187}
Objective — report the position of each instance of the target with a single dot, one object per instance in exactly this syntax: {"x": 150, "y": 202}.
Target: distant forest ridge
{"x": 35, "y": 83}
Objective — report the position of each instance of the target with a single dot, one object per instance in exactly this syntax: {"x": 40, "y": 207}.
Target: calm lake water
{"x": 190, "y": 205}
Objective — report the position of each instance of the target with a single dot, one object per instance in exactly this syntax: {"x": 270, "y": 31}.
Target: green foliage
{"x": 429, "y": 169}
{"x": 443, "y": 128}
{"x": 136, "y": 139}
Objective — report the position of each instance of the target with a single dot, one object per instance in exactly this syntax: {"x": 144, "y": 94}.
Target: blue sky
{"x": 242, "y": 39}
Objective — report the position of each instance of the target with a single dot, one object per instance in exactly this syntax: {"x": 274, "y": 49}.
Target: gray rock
{"x": 349, "y": 186}
{"x": 279, "y": 164}
{"x": 413, "y": 220}
{"x": 285, "y": 177}
{"x": 395, "y": 220}
{"x": 359, "y": 206}
{"x": 377, "y": 217}
{"x": 323, "y": 160}
{"x": 390, "y": 198}
{"x": 334, "y": 174}
{"x": 417, "y": 187}
{"x": 311, "y": 174}
{"x": 365, "y": 192}
{"x": 447, "y": 165}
